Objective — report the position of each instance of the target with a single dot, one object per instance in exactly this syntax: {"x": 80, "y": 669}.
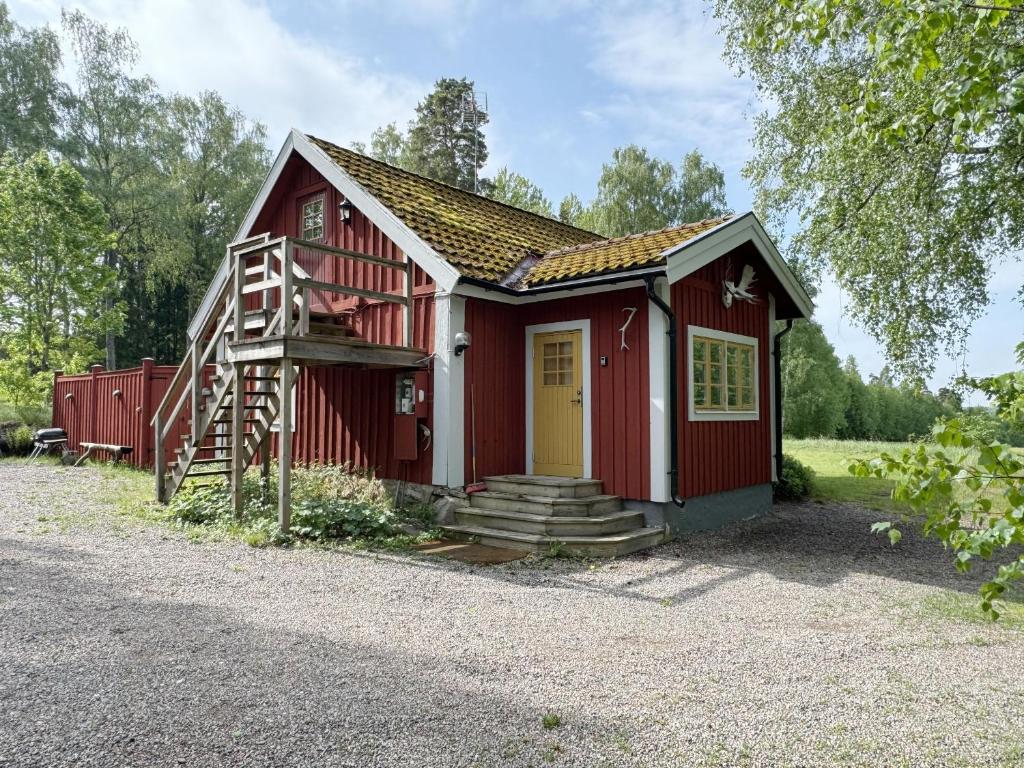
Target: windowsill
{"x": 724, "y": 415}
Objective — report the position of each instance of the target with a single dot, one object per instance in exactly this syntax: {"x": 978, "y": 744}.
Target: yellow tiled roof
{"x": 480, "y": 237}
{"x": 616, "y": 254}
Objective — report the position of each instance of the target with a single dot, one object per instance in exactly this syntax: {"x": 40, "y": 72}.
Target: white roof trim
{"x": 686, "y": 258}
{"x": 443, "y": 273}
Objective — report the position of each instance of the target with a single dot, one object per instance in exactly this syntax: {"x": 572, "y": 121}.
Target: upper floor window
{"x": 723, "y": 375}
{"x": 313, "y": 219}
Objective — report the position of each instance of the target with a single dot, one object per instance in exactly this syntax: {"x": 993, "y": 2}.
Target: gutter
{"x": 616, "y": 277}
{"x": 673, "y": 390}
{"x": 777, "y": 354}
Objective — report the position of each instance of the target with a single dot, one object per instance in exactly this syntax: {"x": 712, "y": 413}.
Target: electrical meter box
{"x": 406, "y": 429}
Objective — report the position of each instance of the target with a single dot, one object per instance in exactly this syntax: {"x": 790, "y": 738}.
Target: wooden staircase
{"x": 257, "y": 330}
{"x": 543, "y": 514}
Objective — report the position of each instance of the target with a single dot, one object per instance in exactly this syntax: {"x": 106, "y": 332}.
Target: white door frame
{"x": 588, "y": 410}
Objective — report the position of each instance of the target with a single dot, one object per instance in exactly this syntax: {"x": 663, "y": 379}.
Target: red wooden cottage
{"x": 607, "y": 391}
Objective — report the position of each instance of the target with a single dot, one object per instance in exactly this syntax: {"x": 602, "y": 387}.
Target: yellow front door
{"x": 558, "y": 404}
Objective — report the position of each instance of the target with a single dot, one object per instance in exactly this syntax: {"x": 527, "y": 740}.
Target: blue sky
{"x": 566, "y": 81}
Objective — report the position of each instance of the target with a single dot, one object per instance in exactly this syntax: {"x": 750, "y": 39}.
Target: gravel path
{"x": 799, "y": 639}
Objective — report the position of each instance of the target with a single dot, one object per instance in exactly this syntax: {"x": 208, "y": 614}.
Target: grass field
{"x": 830, "y": 458}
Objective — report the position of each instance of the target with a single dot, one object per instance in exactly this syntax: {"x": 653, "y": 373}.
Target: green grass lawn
{"x": 833, "y": 482}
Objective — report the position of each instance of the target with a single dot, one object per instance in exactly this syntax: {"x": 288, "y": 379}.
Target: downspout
{"x": 673, "y": 390}
{"x": 777, "y": 354}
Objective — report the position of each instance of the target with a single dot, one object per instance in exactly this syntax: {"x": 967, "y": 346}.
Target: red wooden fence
{"x": 114, "y": 407}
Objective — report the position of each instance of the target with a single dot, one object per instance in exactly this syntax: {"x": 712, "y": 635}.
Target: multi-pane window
{"x": 558, "y": 364}
{"x": 313, "y": 219}
{"x": 723, "y": 377}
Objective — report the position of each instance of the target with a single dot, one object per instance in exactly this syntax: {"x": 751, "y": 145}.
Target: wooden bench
{"x": 117, "y": 452}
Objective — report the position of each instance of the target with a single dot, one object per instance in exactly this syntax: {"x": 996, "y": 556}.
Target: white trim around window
{"x": 724, "y": 414}
{"x": 588, "y": 410}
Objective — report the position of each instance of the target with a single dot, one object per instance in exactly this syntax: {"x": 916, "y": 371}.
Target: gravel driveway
{"x": 800, "y": 639}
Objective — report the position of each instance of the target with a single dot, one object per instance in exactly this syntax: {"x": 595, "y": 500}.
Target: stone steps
{"x": 552, "y": 515}
{"x": 550, "y": 525}
{"x": 610, "y": 545}
{"x": 545, "y": 505}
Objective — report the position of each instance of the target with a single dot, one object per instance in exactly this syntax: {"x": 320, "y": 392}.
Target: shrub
{"x": 17, "y": 439}
{"x": 328, "y": 502}
{"x": 794, "y": 481}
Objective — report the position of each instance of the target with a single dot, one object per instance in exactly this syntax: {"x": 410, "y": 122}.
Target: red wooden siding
{"x": 346, "y": 414}
{"x": 620, "y": 392}
{"x": 718, "y": 456}
{"x": 94, "y": 415}
{"x": 373, "y": 320}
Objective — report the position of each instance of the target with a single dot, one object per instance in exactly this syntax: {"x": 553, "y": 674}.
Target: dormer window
{"x": 313, "y": 219}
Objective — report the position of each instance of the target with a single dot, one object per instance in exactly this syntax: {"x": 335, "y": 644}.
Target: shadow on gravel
{"x": 94, "y": 674}
{"x": 808, "y": 543}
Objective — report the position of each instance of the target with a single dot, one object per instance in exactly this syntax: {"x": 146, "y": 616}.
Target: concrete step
{"x": 545, "y": 505}
{"x": 543, "y": 485}
{"x": 550, "y": 525}
{"x": 610, "y": 545}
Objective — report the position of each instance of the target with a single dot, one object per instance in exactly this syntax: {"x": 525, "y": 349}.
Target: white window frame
{"x": 316, "y": 197}
{"x": 722, "y": 415}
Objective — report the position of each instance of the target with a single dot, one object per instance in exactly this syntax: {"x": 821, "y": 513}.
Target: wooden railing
{"x": 264, "y": 266}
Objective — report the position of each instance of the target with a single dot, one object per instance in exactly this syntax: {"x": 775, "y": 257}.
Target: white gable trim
{"x": 687, "y": 258}
{"x": 443, "y": 273}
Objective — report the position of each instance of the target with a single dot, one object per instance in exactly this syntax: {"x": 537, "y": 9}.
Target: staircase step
{"x": 261, "y": 378}
{"x": 611, "y": 545}
{"x": 549, "y": 525}
{"x": 228, "y": 421}
{"x": 226, "y": 448}
{"x": 209, "y": 472}
{"x": 211, "y": 461}
{"x": 497, "y": 501}
{"x": 543, "y": 485}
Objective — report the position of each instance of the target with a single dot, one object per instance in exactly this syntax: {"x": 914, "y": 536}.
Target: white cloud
{"x": 240, "y": 50}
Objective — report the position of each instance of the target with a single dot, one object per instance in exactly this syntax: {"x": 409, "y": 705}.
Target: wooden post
{"x": 238, "y": 271}
{"x": 237, "y": 438}
{"x": 287, "y": 300}
{"x": 145, "y": 448}
{"x": 284, "y": 489}
{"x": 159, "y": 459}
{"x": 53, "y": 399}
{"x": 408, "y": 313}
{"x": 94, "y": 395}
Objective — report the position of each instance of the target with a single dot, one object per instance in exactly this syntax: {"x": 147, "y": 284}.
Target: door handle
{"x": 578, "y": 400}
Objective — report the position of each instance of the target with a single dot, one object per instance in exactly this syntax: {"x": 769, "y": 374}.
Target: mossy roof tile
{"x": 488, "y": 240}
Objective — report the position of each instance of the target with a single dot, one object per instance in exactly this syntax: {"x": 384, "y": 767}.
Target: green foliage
{"x": 550, "y": 720}
{"x": 329, "y": 502}
{"x": 513, "y": 189}
{"x": 638, "y": 192}
{"x": 795, "y": 480}
{"x": 950, "y": 488}
{"x": 52, "y": 281}
{"x": 30, "y": 89}
{"x": 894, "y": 137}
{"x": 17, "y": 440}
{"x": 815, "y": 392}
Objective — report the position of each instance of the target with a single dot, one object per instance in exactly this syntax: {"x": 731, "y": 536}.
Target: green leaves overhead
{"x": 895, "y": 140}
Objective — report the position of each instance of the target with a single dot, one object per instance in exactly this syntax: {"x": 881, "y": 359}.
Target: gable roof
{"x": 480, "y": 237}
{"x": 616, "y": 254}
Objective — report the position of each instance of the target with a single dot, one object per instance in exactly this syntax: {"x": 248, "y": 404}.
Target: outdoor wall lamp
{"x": 116, "y": 393}
{"x": 345, "y": 210}
{"x": 462, "y": 341}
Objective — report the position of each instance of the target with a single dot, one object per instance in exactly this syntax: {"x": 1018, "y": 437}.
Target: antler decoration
{"x": 732, "y": 291}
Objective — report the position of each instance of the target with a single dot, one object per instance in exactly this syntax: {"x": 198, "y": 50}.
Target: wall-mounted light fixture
{"x": 69, "y": 396}
{"x": 116, "y": 393}
{"x": 462, "y": 342}
{"x": 345, "y": 210}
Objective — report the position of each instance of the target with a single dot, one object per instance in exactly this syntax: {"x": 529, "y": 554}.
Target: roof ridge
{"x": 633, "y": 236}
{"x": 472, "y": 195}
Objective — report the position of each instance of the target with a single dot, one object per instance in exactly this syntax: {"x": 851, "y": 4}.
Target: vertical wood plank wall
{"x": 718, "y": 456}
{"x": 93, "y": 414}
{"x": 620, "y": 392}
{"x": 346, "y": 414}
